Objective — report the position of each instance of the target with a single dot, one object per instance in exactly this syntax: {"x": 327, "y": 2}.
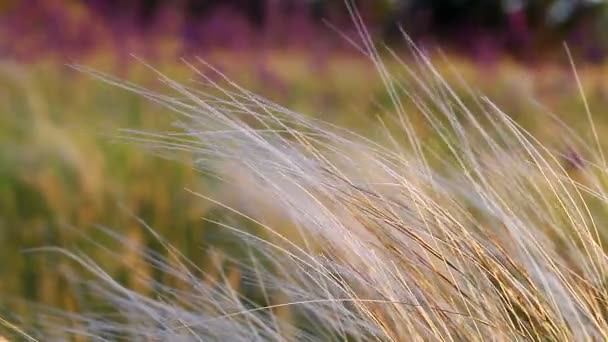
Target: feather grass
{"x": 473, "y": 231}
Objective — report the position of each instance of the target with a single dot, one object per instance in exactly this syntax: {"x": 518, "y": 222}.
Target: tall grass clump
{"x": 452, "y": 223}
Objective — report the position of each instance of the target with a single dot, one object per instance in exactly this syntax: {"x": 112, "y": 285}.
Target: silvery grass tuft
{"x": 474, "y": 230}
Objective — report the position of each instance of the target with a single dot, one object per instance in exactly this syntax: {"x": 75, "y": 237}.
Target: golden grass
{"x": 431, "y": 229}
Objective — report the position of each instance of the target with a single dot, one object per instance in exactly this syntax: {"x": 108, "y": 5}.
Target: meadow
{"x": 72, "y": 174}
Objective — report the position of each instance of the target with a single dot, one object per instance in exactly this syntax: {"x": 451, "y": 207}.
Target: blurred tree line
{"x": 440, "y": 15}
{"x": 481, "y": 27}
{"x": 473, "y": 25}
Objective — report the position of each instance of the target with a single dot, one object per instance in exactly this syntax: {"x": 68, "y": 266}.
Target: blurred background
{"x": 62, "y": 177}
{"x": 482, "y": 29}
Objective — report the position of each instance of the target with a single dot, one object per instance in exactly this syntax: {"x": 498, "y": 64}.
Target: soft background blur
{"x": 62, "y": 174}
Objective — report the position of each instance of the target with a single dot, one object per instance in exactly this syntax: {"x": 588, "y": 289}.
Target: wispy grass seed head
{"x": 473, "y": 231}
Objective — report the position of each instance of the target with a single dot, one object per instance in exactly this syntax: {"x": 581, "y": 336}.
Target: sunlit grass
{"x": 60, "y": 174}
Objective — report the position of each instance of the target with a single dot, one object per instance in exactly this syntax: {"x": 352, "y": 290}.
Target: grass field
{"x": 63, "y": 172}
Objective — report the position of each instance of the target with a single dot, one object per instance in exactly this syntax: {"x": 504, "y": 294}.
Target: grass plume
{"x": 458, "y": 224}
